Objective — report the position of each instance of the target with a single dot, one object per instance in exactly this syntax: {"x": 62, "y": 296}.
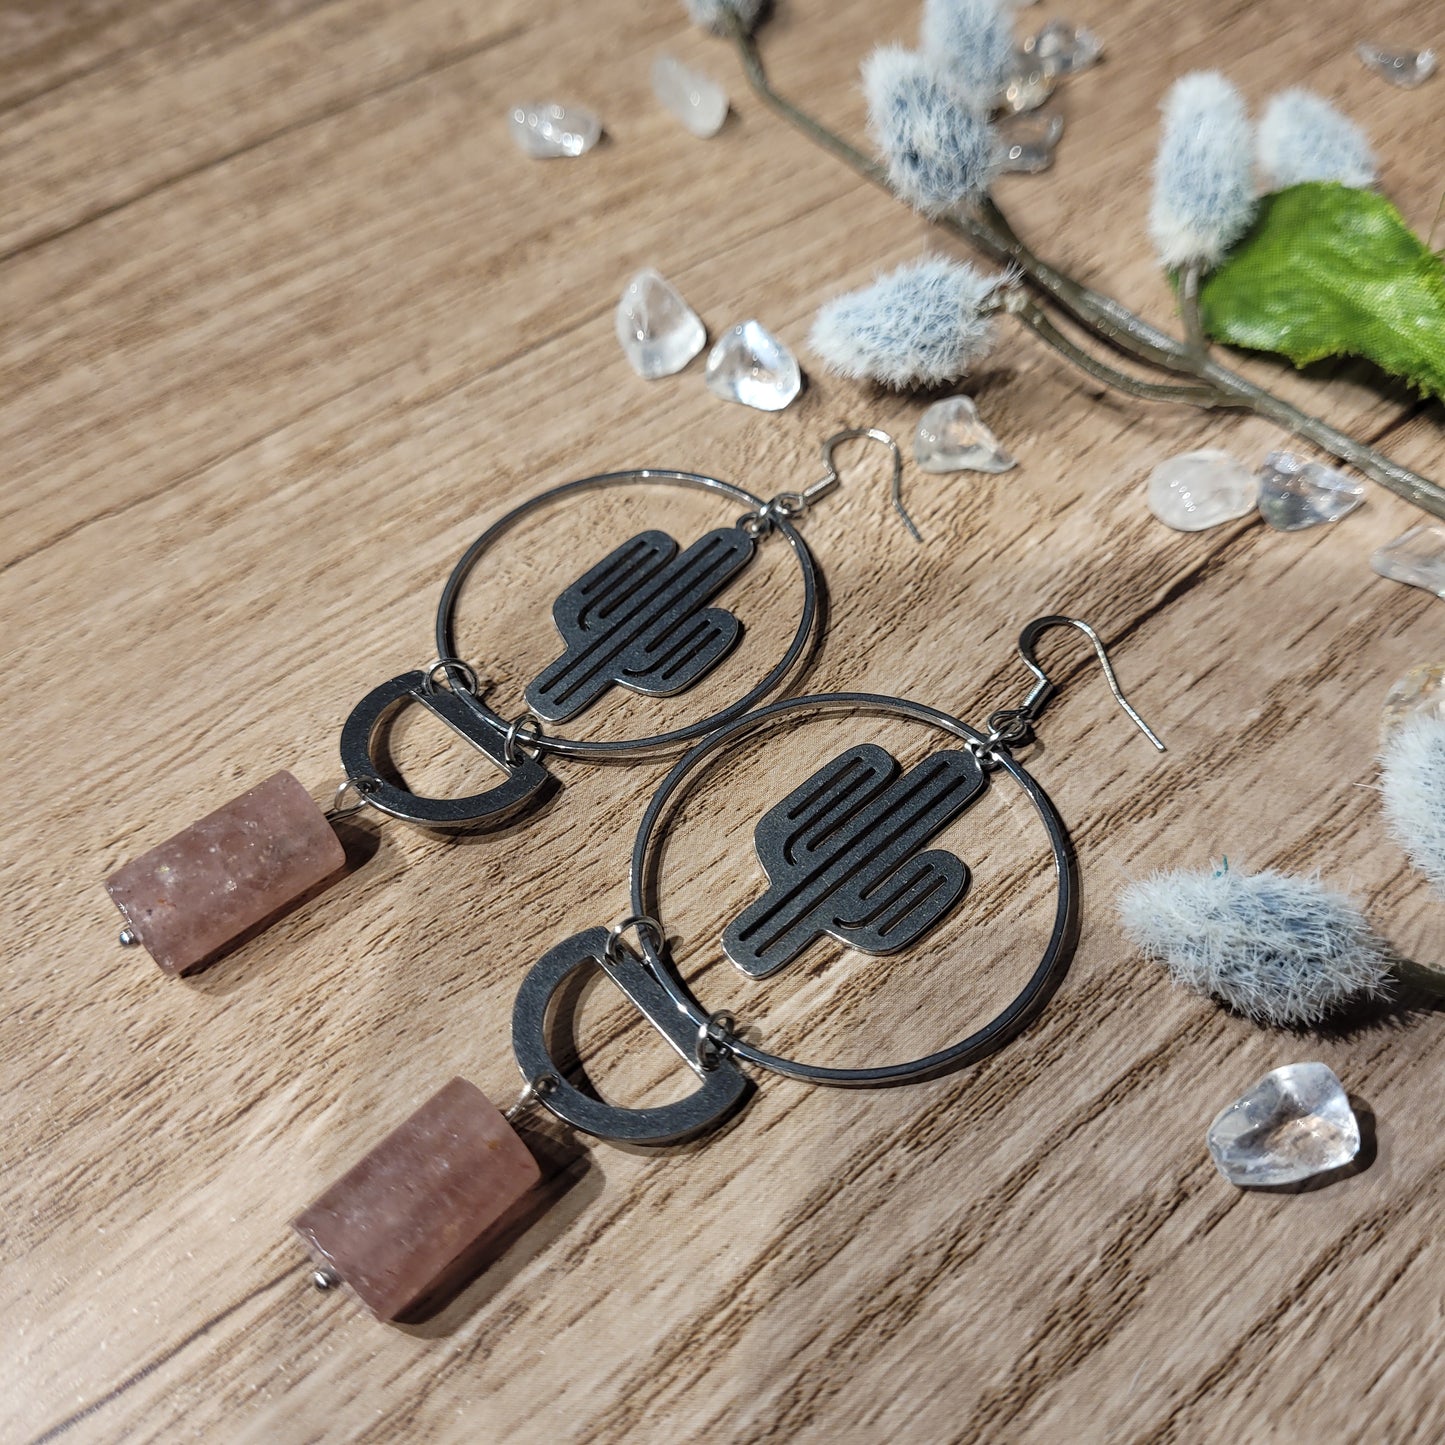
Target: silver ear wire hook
{"x": 1038, "y": 699}
{"x": 822, "y": 488}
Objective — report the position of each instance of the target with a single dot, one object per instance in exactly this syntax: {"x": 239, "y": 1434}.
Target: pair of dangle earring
{"x": 644, "y": 619}
{"x": 846, "y": 857}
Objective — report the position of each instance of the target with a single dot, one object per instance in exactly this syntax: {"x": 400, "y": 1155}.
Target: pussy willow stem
{"x": 1111, "y": 321}
{"x": 1033, "y": 317}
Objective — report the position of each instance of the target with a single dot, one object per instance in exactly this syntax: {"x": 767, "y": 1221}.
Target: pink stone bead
{"x": 418, "y": 1214}
{"x": 222, "y": 877}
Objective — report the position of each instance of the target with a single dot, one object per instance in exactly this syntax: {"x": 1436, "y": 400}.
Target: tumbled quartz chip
{"x": 1405, "y": 68}
{"x": 1295, "y": 493}
{"x": 1416, "y": 557}
{"x": 215, "y": 882}
{"x": 547, "y": 129}
{"x": 951, "y": 437}
{"x": 1061, "y": 48}
{"x": 1296, "y": 1122}
{"x": 750, "y": 365}
{"x": 1029, "y": 87}
{"x": 1420, "y": 693}
{"x": 1198, "y": 490}
{"x": 1026, "y": 143}
{"x": 657, "y": 330}
{"x": 696, "y": 100}
{"x": 416, "y": 1218}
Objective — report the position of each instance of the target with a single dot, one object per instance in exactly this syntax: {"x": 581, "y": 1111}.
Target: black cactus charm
{"x": 841, "y": 857}
{"x": 639, "y": 620}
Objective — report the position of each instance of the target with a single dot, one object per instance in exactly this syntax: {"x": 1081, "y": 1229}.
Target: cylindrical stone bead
{"x": 412, "y": 1221}
{"x": 217, "y": 881}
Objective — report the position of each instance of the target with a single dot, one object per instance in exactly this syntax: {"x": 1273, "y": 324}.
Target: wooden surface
{"x": 287, "y": 321}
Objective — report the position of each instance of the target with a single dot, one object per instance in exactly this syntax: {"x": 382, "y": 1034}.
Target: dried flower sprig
{"x": 1106, "y": 319}
{"x": 1302, "y": 137}
{"x": 723, "y": 16}
{"x": 925, "y": 323}
{"x": 1203, "y": 191}
{"x": 1276, "y": 948}
{"x": 972, "y": 42}
{"x": 940, "y": 150}
{"x": 1413, "y": 784}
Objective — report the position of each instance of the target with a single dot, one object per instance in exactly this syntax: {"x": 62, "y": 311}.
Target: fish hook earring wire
{"x": 993, "y": 751}
{"x": 760, "y": 520}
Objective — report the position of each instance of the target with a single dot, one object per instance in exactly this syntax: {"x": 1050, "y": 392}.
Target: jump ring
{"x": 446, "y": 666}
{"x": 362, "y": 787}
{"x": 633, "y": 920}
{"x": 511, "y": 747}
{"x": 712, "y": 1038}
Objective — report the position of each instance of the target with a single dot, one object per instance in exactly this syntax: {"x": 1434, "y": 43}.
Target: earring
{"x": 641, "y": 619}
{"x": 845, "y": 858}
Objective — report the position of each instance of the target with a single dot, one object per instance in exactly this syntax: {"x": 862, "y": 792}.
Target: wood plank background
{"x": 287, "y": 321}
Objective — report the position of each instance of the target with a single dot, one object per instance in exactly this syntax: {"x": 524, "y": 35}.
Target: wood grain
{"x": 287, "y": 322}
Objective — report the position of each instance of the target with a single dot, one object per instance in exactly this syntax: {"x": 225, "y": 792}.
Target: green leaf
{"x": 1330, "y": 271}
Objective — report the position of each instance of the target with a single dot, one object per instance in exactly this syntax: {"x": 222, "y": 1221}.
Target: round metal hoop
{"x": 626, "y": 749}
{"x": 984, "y": 1041}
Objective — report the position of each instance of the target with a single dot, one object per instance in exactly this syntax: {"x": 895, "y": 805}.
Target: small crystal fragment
{"x": 1198, "y": 490}
{"x": 1296, "y": 1122}
{"x": 547, "y": 129}
{"x": 951, "y": 438}
{"x": 1029, "y": 88}
{"x": 1416, "y": 557}
{"x": 203, "y": 890}
{"x": 659, "y": 332}
{"x": 1405, "y": 68}
{"x": 1027, "y": 142}
{"x": 413, "y": 1219}
{"x": 1061, "y": 48}
{"x": 750, "y": 365}
{"x": 1295, "y": 493}
{"x": 1420, "y": 693}
{"x": 694, "y": 98}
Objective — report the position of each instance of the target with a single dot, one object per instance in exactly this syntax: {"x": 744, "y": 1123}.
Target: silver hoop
{"x": 637, "y": 748}
{"x": 1026, "y": 1005}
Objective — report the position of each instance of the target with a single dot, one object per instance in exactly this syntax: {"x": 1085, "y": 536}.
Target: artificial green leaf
{"x": 1330, "y": 271}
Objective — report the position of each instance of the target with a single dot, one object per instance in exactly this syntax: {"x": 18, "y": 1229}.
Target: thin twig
{"x": 1033, "y": 317}
{"x": 1189, "y": 311}
{"x": 987, "y": 228}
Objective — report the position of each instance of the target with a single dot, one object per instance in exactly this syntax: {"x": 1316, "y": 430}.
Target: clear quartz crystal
{"x": 1295, "y": 493}
{"x": 1027, "y": 142}
{"x": 547, "y": 129}
{"x": 1198, "y": 490}
{"x": 1061, "y": 48}
{"x": 750, "y": 365}
{"x": 1293, "y": 1124}
{"x": 950, "y": 437}
{"x": 658, "y": 331}
{"x": 1030, "y": 86}
{"x": 694, "y": 98}
{"x": 1416, "y": 557}
{"x": 1405, "y": 68}
{"x": 1420, "y": 693}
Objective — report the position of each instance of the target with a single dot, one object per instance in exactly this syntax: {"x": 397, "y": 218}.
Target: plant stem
{"x": 1030, "y": 315}
{"x": 987, "y": 228}
{"x": 1189, "y": 311}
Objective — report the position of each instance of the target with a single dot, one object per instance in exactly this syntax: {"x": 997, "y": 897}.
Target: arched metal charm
{"x": 841, "y": 857}
{"x": 639, "y": 619}
{"x": 525, "y": 778}
{"x": 722, "y": 1088}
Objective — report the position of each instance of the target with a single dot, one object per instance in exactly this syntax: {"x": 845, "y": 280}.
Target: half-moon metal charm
{"x": 722, "y": 1085}
{"x": 524, "y": 776}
